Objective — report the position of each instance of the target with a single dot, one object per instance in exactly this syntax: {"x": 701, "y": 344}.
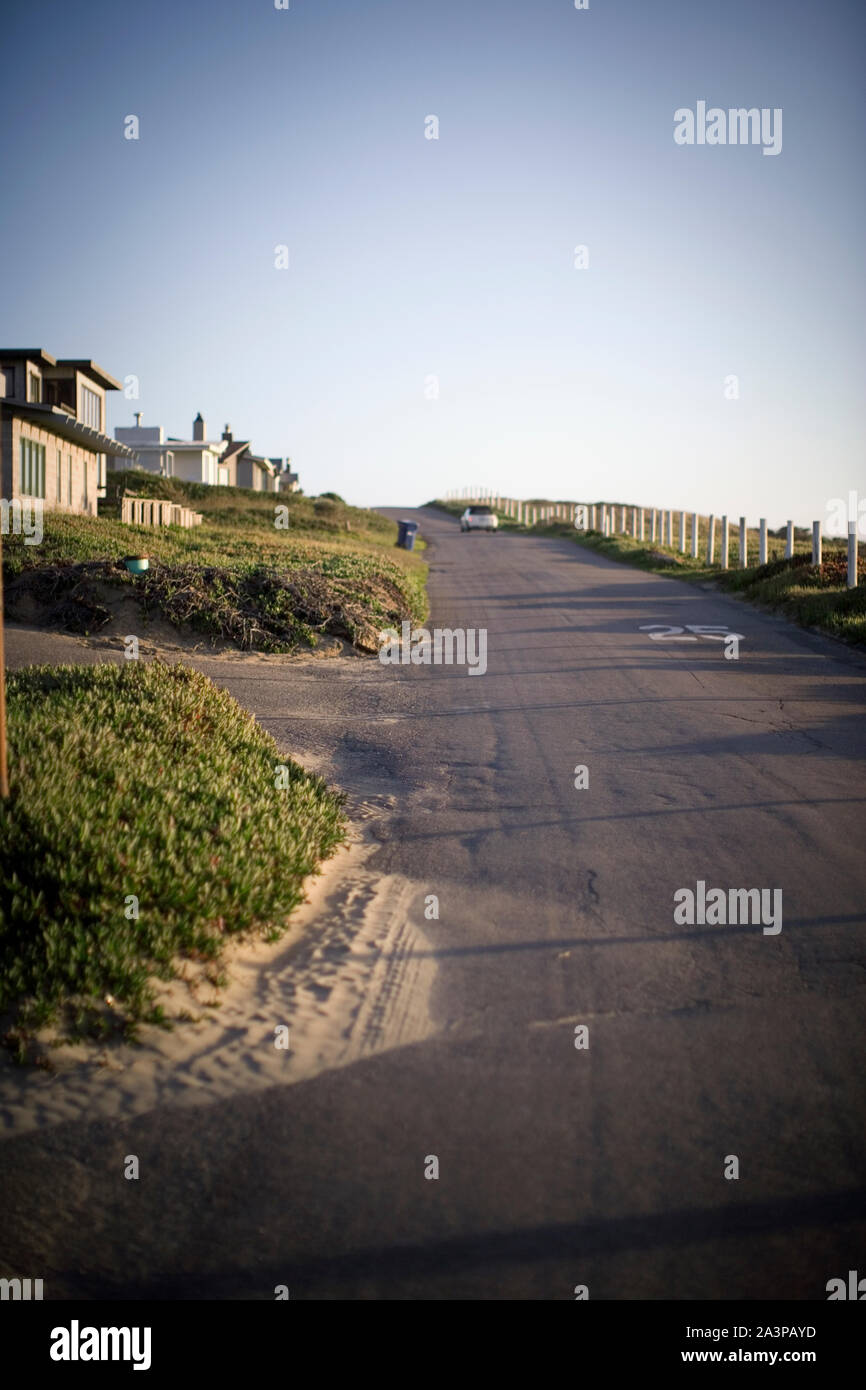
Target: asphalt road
{"x": 602, "y": 1166}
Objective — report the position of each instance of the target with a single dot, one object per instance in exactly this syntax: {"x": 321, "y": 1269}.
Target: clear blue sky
{"x": 412, "y": 257}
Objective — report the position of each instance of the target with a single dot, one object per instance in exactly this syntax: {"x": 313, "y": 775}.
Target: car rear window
{"x": 480, "y": 511}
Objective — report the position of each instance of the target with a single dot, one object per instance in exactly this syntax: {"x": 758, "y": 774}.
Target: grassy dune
{"x": 334, "y": 569}
{"x": 145, "y": 782}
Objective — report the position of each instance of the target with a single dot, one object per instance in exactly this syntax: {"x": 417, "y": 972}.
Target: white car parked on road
{"x": 479, "y": 519}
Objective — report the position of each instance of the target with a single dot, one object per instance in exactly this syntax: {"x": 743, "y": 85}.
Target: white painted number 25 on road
{"x": 717, "y": 632}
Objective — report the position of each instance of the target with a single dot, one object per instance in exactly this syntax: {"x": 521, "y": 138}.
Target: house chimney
{"x": 138, "y": 419}
{"x": 198, "y": 429}
{"x": 227, "y": 433}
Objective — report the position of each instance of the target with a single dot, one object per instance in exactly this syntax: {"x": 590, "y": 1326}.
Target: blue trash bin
{"x": 406, "y": 531}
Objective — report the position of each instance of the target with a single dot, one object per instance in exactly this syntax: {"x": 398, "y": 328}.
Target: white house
{"x": 194, "y": 460}
{"x": 226, "y": 461}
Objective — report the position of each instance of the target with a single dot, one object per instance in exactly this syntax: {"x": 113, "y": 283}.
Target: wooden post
{"x": 4, "y": 775}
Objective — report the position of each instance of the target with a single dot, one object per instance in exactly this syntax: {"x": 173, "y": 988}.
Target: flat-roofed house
{"x": 194, "y": 460}
{"x": 53, "y": 445}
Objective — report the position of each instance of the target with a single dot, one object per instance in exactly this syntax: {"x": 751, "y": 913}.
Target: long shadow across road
{"x": 707, "y": 1049}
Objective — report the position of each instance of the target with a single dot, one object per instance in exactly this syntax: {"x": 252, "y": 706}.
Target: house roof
{"x": 235, "y": 449}
{"x": 81, "y": 364}
{"x": 176, "y": 446}
{"x": 64, "y": 424}
{"x": 92, "y": 369}
{"x": 32, "y": 355}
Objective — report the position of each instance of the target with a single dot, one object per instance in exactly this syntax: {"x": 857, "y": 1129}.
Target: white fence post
{"x": 682, "y": 532}
{"x": 711, "y": 538}
{"x": 653, "y": 524}
{"x": 744, "y": 544}
{"x": 695, "y": 531}
{"x": 789, "y": 541}
{"x": 723, "y": 558}
{"x": 762, "y": 554}
{"x": 816, "y": 543}
{"x": 634, "y": 523}
{"x": 642, "y": 522}
{"x": 852, "y": 554}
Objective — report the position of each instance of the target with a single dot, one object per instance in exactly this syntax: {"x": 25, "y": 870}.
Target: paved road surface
{"x": 557, "y": 1166}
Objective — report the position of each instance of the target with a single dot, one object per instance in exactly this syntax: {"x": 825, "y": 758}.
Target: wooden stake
{"x": 4, "y": 776}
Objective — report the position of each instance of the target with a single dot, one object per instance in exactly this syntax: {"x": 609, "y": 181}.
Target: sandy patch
{"x": 352, "y": 977}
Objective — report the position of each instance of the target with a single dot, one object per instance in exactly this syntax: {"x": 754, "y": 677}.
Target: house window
{"x": 91, "y": 408}
{"x": 34, "y": 386}
{"x": 8, "y": 374}
{"x": 32, "y": 468}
